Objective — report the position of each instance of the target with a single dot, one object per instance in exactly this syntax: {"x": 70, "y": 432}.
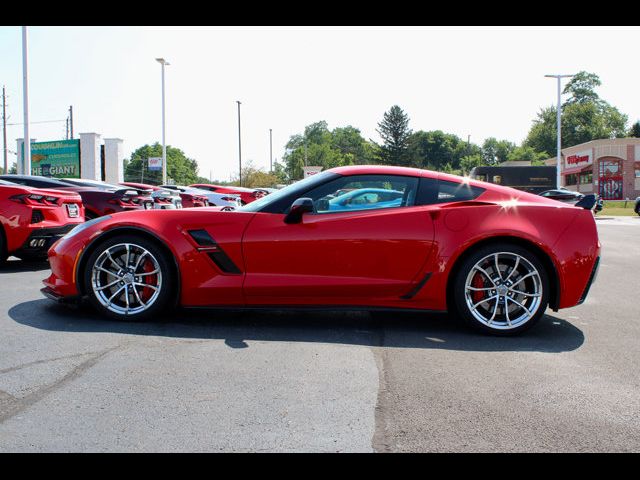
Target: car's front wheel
{"x": 501, "y": 289}
{"x": 129, "y": 278}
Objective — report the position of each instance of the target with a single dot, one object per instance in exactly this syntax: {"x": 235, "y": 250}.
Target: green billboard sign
{"x": 60, "y": 158}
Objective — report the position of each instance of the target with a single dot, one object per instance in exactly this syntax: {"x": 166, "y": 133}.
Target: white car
{"x": 166, "y": 200}
{"x": 214, "y": 199}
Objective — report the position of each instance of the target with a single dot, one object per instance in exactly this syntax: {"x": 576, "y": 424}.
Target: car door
{"x": 350, "y": 256}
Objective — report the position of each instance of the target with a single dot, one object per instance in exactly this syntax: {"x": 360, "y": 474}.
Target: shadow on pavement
{"x": 16, "y": 266}
{"x": 236, "y": 328}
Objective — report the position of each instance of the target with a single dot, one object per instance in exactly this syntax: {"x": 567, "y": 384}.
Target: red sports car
{"x": 98, "y": 198}
{"x": 32, "y": 219}
{"x": 496, "y": 256}
{"x": 247, "y": 195}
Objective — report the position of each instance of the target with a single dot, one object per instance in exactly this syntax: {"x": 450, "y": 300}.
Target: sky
{"x": 471, "y": 81}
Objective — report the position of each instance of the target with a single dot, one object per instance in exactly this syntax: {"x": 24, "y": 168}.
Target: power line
{"x": 43, "y": 121}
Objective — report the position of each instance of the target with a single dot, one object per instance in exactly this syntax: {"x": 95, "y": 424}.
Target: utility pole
{"x": 71, "y": 120}
{"x": 559, "y": 128}
{"x": 270, "y": 152}
{"x": 26, "y": 158}
{"x": 163, "y": 62}
{"x": 305, "y": 153}
{"x": 67, "y": 121}
{"x": 239, "y": 145}
{"x": 4, "y": 130}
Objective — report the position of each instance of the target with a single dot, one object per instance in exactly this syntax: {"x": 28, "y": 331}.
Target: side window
{"x": 433, "y": 191}
{"x": 364, "y": 192}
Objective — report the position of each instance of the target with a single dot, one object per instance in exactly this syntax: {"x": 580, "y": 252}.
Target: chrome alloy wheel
{"x": 503, "y": 290}
{"x": 126, "y": 279}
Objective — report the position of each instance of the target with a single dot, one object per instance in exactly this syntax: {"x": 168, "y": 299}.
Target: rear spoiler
{"x": 131, "y": 191}
{"x": 588, "y": 202}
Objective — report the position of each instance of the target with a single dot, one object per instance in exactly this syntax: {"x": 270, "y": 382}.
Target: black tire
{"x": 3, "y": 247}
{"x": 163, "y": 301}
{"x": 501, "y": 325}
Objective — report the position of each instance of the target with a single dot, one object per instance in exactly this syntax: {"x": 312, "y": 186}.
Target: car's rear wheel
{"x": 501, "y": 289}
{"x": 129, "y": 278}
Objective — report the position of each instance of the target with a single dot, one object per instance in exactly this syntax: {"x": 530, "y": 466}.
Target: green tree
{"x": 435, "y": 149}
{"x": 181, "y": 169}
{"x": 528, "y": 154}
{"x": 253, "y": 177}
{"x": 496, "y": 151}
{"x": 582, "y": 87}
{"x": 395, "y": 132}
{"x": 634, "y": 131}
{"x": 585, "y": 117}
{"x": 581, "y": 122}
{"x": 468, "y": 162}
{"x": 322, "y": 147}
{"x": 349, "y": 142}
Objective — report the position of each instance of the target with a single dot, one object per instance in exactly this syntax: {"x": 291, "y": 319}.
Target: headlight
{"x": 85, "y": 225}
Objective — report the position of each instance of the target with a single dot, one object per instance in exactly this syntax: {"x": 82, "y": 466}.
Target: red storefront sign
{"x": 576, "y": 159}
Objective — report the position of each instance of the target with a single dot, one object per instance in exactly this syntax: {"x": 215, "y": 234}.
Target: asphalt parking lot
{"x": 323, "y": 382}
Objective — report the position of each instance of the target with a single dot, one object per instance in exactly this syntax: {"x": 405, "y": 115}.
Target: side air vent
{"x": 209, "y": 246}
{"x": 202, "y": 238}
{"x": 223, "y": 262}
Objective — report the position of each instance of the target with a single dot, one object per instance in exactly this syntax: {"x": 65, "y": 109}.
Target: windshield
{"x": 302, "y": 185}
{"x": 96, "y": 184}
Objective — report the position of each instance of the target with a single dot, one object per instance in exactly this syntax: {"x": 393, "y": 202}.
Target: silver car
{"x": 214, "y": 199}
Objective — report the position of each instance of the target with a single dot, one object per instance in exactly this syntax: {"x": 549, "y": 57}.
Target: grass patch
{"x": 618, "y": 208}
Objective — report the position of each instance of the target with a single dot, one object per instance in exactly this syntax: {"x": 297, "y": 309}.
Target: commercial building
{"x": 609, "y": 167}
{"x": 89, "y": 157}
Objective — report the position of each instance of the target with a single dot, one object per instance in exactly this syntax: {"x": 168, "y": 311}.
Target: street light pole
{"x": 239, "y": 145}
{"x": 559, "y": 129}
{"x": 163, "y": 62}
{"x": 26, "y": 159}
{"x": 270, "y": 151}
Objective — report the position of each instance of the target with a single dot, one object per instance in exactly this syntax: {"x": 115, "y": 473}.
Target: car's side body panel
{"x": 338, "y": 258}
{"x": 400, "y": 257}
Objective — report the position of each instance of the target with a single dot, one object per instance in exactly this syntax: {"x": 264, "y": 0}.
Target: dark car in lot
{"x": 569, "y": 196}
{"x": 32, "y": 219}
{"x": 99, "y": 198}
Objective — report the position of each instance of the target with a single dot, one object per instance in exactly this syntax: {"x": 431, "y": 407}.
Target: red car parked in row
{"x": 247, "y": 195}
{"x": 494, "y": 255}
{"x": 32, "y": 219}
{"x": 189, "y": 200}
{"x": 98, "y": 198}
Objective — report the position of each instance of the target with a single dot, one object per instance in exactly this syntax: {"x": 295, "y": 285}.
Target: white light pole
{"x": 26, "y": 160}
{"x": 559, "y": 128}
{"x": 239, "y": 145}
{"x": 163, "y": 62}
{"x": 270, "y": 152}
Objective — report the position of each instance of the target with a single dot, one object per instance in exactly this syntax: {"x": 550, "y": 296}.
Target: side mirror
{"x": 298, "y": 208}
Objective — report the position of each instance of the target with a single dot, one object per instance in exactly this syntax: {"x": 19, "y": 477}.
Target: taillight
{"x": 34, "y": 199}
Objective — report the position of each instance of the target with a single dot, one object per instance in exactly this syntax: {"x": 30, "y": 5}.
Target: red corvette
{"x": 366, "y": 237}
{"x": 247, "y": 195}
{"x": 32, "y": 219}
